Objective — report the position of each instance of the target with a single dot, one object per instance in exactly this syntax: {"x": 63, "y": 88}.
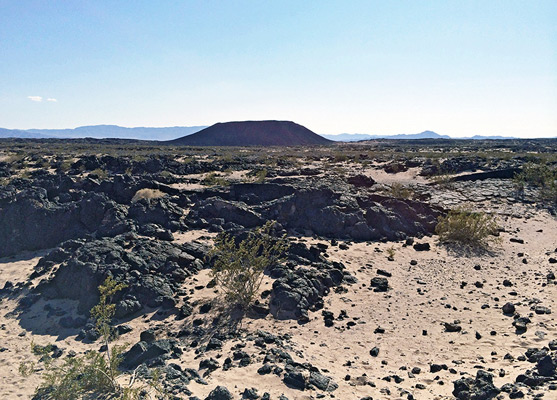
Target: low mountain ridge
{"x": 103, "y": 132}
{"x": 253, "y": 133}
{"x": 356, "y": 137}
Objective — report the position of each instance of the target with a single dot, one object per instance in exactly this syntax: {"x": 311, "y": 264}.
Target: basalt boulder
{"x": 480, "y": 388}
{"x": 152, "y": 271}
{"x": 30, "y": 221}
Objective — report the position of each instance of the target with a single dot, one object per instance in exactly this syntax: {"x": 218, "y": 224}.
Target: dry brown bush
{"x": 147, "y": 194}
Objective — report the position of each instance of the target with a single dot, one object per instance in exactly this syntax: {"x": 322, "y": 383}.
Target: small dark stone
{"x": 123, "y": 329}
{"x": 546, "y": 366}
{"x": 295, "y": 380}
{"x": 250, "y": 394}
{"x": 452, "y": 327}
{"x": 422, "y": 247}
{"x": 265, "y": 369}
{"x": 214, "y": 344}
{"x": 147, "y": 336}
{"x": 509, "y": 309}
{"x": 434, "y": 368}
{"x": 542, "y": 310}
{"x": 219, "y": 393}
{"x": 205, "y": 308}
{"x": 380, "y": 284}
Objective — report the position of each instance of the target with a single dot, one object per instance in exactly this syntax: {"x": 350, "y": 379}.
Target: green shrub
{"x": 212, "y": 179}
{"x": 94, "y": 374}
{"x": 99, "y": 173}
{"x": 540, "y": 176}
{"x": 467, "y": 227}
{"x": 257, "y": 175}
{"x": 400, "y": 191}
{"x": 340, "y": 157}
{"x": 238, "y": 267}
{"x": 260, "y": 175}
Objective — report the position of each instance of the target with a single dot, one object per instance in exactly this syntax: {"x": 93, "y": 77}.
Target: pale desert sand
{"x": 422, "y": 298}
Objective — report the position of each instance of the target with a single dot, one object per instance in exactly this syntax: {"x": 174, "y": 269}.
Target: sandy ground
{"x": 422, "y": 297}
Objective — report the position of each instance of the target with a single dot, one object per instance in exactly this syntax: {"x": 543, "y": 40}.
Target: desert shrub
{"x": 540, "y": 176}
{"x": 260, "y": 175}
{"x": 238, "y": 266}
{"x": 166, "y": 174}
{"x": 212, "y": 179}
{"x": 391, "y": 253}
{"x": 340, "y": 157}
{"x": 138, "y": 158}
{"x": 65, "y": 166}
{"x": 99, "y": 173}
{"x": 467, "y": 227}
{"x": 15, "y": 158}
{"x": 92, "y": 375}
{"x": 147, "y": 194}
{"x": 400, "y": 191}
{"x": 25, "y": 174}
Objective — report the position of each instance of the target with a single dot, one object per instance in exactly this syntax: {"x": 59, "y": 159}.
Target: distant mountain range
{"x": 171, "y": 133}
{"x": 253, "y": 133}
{"x": 353, "y": 137}
{"x": 103, "y": 131}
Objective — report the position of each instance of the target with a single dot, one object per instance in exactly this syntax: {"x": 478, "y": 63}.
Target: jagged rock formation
{"x": 152, "y": 270}
{"x": 322, "y": 211}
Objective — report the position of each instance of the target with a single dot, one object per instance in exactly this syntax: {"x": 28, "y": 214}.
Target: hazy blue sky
{"x": 456, "y": 67}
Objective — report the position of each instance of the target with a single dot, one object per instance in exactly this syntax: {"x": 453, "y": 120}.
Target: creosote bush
{"x": 467, "y": 227}
{"x": 99, "y": 173}
{"x": 94, "y": 374}
{"x": 238, "y": 266}
{"x": 147, "y": 194}
{"x": 400, "y": 191}
{"x": 541, "y": 176}
{"x": 212, "y": 179}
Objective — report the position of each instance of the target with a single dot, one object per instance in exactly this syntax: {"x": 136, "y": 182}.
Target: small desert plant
{"x": 257, "y": 175}
{"x": 400, "y": 191}
{"x": 442, "y": 180}
{"x": 340, "y": 157}
{"x": 391, "y": 253}
{"x": 260, "y": 175}
{"x": 147, "y": 194}
{"x": 15, "y": 158}
{"x": 467, "y": 227}
{"x": 25, "y": 174}
{"x": 166, "y": 174}
{"x": 212, "y": 179}
{"x": 99, "y": 173}
{"x": 103, "y": 313}
{"x": 540, "y": 176}
{"x": 93, "y": 374}
{"x": 65, "y": 166}
{"x": 238, "y": 267}
{"x": 139, "y": 158}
